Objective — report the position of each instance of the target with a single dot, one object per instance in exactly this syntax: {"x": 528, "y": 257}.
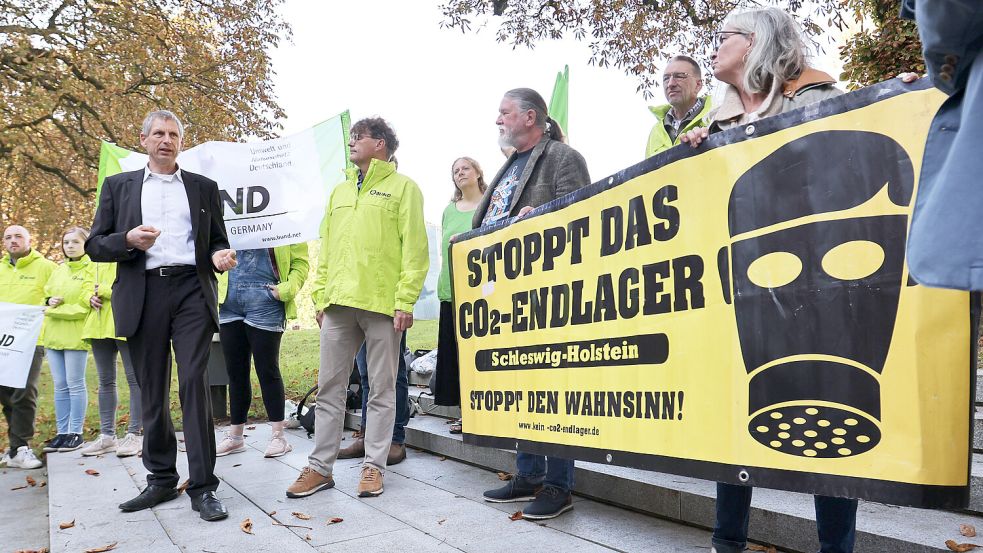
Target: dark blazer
{"x": 944, "y": 240}
{"x": 553, "y": 170}
{"x": 119, "y": 211}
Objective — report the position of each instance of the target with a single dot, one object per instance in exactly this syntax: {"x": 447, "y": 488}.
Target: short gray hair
{"x": 779, "y": 51}
{"x": 165, "y": 115}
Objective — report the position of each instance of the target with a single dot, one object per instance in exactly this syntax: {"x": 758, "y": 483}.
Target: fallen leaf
{"x": 967, "y": 530}
{"x": 42, "y": 550}
{"x": 443, "y": 458}
{"x": 237, "y": 465}
{"x": 43, "y": 484}
{"x": 246, "y": 526}
{"x": 102, "y": 549}
{"x": 516, "y": 515}
{"x": 441, "y": 521}
{"x": 32, "y": 482}
{"x": 504, "y": 476}
{"x": 960, "y": 547}
{"x": 250, "y": 428}
{"x": 335, "y": 520}
{"x": 67, "y": 525}
{"x": 271, "y": 513}
{"x": 184, "y": 485}
{"x": 307, "y": 537}
{"x": 301, "y": 516}
{"x": 756, "y": 547}
{"x": 92, "y": 472}
{"x": 18, "y": 488}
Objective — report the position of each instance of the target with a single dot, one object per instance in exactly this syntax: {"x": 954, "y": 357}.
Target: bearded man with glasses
{"x": 681, "y": 82}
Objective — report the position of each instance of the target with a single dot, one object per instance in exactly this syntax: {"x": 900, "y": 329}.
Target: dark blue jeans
{"x": 552, "y": 471}
{"x": 402, "y": 391}
{"x": 836, "y": 520}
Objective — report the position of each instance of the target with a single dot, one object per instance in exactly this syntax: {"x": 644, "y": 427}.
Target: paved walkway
{"x": 431, "y": 504}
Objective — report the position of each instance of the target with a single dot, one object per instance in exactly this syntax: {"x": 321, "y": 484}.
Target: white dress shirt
{"x": 164, "y": 205}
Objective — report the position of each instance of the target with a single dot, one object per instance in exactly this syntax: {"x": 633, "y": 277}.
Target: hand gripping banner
{"x": 741, "y": 312}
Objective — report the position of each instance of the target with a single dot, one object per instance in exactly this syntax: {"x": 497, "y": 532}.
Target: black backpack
{"x": 353, "y": 401}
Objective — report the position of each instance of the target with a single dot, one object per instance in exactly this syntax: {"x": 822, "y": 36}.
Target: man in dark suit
{"x": 540, "y": 169}
{"x": 165, "y": 229}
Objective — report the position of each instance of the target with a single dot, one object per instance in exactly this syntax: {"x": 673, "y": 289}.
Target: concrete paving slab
{"x": 399, "y": 541}
{"x": 29, "y": 528}
{"x": 91, "y": 502}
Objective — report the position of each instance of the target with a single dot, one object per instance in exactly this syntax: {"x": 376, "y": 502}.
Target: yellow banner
{"x": 741, "y": 312}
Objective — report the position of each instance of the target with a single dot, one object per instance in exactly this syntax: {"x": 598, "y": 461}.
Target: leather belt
{"x": 171, "y": 270}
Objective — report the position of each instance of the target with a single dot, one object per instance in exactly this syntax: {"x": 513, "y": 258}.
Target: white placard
{"x": 20, "y": 327}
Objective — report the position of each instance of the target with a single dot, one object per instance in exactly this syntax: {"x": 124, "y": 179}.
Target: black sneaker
{"x": 551, "y": 502}
{"x": 71, "y": 442}
{"x": 515, "y": 490}
{"x": 53, "y": 444}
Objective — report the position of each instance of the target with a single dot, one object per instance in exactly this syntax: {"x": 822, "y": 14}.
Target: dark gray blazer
{"x": 120, "y": 210}
{"x": 553, "y": 170}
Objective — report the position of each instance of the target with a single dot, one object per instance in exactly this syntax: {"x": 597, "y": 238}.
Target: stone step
{"x": 784, "y": 519}
{"x": 24, "y": 524}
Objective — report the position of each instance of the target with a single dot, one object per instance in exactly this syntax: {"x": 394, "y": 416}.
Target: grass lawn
{"x": 298, "y": 365}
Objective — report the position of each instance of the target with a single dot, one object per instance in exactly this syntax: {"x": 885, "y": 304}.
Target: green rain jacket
{"x": 292, "y": 268}
{"x": 63, "y": 323}
{"x": 99, "y": 323}
{"x": 25, "y": 283}
{"x": 659, "y": 138}
{"x": 374, "y": 251}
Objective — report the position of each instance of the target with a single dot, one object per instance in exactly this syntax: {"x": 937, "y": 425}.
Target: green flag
{"x": 560, "y": 98}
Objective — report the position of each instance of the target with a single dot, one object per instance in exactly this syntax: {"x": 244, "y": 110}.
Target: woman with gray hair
{"x": 761, "y": 57}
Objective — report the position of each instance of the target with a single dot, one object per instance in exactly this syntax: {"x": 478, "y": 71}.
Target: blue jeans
{"x": 552, "y": 471}
{"x": 836, "y": 520}
{"x": 71, "y": 397}
{"x": 402, "y": 391}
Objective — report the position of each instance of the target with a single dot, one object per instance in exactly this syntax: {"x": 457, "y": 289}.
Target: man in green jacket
{"x": 681, "y": 83}
{"x": 23, "y": 274}
{"x": 374, "y": 258}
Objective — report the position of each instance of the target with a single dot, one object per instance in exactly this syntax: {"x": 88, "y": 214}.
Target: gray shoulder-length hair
{"x": 779, "y": 52}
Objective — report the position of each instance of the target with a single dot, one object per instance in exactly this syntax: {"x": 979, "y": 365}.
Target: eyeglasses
{"x": 358, "y": 136}
{"x": 679, "y": 76}
{"x": 720, "y": 36}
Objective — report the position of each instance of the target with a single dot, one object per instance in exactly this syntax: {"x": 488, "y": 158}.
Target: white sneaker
{"x": 230, "y": 444}
{"x": 4, "y": 459}
{"x": 24, "y": 459}
{"x": 130, "y": 445}
{"x": 103, "y": 444}
{"x": 278, "y": 445}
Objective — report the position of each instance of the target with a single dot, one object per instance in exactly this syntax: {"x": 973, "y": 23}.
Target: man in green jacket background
{"x": 682, "y": 82}
{"x": 23, "y": 274}
{"x": 373, "y": 261}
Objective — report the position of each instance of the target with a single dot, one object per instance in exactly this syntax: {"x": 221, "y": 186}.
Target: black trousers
{"x": 175, "y": 315}
{"x": 447, "y": 380}
{"x": 240, "y": 342}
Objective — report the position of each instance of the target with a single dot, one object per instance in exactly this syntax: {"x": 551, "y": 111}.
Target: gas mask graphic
{"x": 816, "y": 290}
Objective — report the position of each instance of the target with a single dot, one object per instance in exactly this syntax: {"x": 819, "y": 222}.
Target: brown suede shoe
{"x": 354, "y": 451}
{"x": 397, "y": 452}
{"x": 309, "y": 482}
{"x": 371, "y": 483}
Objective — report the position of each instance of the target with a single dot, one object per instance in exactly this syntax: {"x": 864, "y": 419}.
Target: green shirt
{"x": 453, "y": 222}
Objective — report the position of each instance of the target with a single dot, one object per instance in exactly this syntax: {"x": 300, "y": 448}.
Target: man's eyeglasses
{"x": 720, "y": 36}
{"x": 358, "y": 136}
{"x": 679, "y": 76}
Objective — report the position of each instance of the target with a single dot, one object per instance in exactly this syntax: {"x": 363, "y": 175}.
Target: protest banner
{"x": 273, "y": 192}
{"x": 740, "y": 312}
{"x": 20, "y": 327}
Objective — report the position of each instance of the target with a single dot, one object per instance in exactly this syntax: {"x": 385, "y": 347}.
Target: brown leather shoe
{"x": 309, "y": 482}
{"x": 397, "y": 452}
{"x": 370, "y": 484}
{"x": 354, "y": 451}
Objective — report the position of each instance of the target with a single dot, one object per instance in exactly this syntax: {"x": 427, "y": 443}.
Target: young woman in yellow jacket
{"x": 100, "y": 331}
{"x": 64, "y": 347}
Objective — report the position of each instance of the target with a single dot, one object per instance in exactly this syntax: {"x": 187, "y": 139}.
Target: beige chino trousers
{"x": 343, "y": 330}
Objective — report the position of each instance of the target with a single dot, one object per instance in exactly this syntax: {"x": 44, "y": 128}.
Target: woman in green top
{"x": 64, "y": 347}
{"x": 469, "y": 185}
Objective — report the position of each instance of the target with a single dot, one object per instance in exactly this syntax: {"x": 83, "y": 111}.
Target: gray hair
{"x": 527, "y": 99}
{"x": 779, "y": 50}
{"x": 165, "y": 115}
